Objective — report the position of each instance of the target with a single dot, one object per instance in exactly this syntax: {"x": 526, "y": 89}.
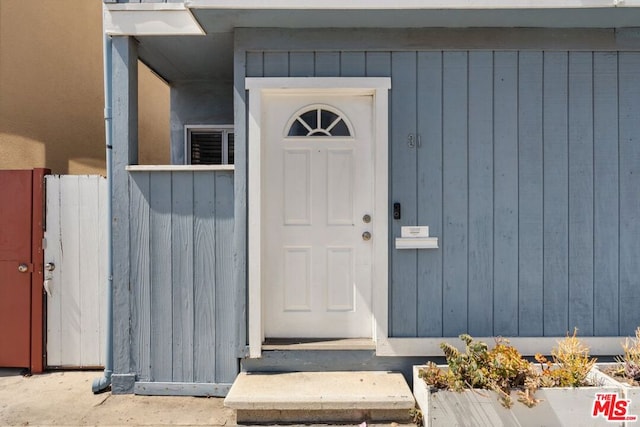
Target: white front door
{"x": 317, "y": 214}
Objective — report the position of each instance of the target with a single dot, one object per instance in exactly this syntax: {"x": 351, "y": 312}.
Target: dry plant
{"x": 503, "y": 369}
{"x": 570, "y": 365}
{"x": 500, "y": 369}
{"x": 630, "y": 361}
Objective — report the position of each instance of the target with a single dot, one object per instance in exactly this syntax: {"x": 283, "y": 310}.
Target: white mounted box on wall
{"x": 418, "y": 231}
{"x": 416, "y": 237}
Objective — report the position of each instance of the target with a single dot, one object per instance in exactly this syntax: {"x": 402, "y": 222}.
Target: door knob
{"x": 49, "y": 266}
{"x": 23, "y": 268}
{"x": 366, "y": 236}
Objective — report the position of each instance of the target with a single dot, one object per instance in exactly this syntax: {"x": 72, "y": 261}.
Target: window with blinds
{"x": 210, "y": 145}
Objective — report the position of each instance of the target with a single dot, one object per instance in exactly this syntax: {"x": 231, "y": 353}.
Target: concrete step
{"x": 320, "y": 397}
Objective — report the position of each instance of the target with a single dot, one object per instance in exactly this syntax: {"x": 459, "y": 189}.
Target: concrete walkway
{"x": 65, "y": 399}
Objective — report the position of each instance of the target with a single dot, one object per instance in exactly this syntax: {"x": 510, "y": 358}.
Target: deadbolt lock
{"x": 23, "y": 268}
{"x": 366, "y": 219}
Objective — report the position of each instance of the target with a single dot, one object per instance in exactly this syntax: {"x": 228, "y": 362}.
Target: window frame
{"x": 225, "y": 129}
{"x": 319, "y": 107}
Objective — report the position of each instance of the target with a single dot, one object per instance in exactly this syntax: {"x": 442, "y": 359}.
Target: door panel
{"x": 15, "y": 286}
{"x": 340, "y": 276}
{"x": 297, "y": 279}
{"x": 317, "y": 188}
{"x": 15, "y": 314}
{"x": 296, "y": 186}
{"x": 15, "y": 214}
{"x": 340, "y": 203}
{"x": 76, "y": 245}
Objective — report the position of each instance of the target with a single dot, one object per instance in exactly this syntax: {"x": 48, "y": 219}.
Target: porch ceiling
{"x": 189, "y": 58}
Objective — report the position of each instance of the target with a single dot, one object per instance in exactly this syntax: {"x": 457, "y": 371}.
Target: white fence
{"x": 75, "y": 242}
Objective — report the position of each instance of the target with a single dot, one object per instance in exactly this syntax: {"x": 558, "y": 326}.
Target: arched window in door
{"x": 319, "y": 120}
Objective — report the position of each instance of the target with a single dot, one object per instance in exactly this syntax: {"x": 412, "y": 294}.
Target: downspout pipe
{"x": 102, "y": 384}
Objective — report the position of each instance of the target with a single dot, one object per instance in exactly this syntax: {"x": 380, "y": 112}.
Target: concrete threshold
{"x": 319, "y": 344}
{"x": 320, "y": 397}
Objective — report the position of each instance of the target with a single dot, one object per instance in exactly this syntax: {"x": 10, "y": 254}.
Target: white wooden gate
{"x": 75, "y": 242}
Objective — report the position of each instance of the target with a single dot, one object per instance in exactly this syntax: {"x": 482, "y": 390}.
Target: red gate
{"x": 21, "y": 264}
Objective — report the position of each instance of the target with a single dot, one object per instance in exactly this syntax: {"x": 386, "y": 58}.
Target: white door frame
{"x": 378, "y": 87}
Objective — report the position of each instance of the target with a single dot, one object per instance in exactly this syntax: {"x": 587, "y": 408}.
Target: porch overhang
{"x": 407, "y": 4}
{"x": 215, "y": 16}
{"x": 173, "y": 36}
{"x": 149, "y": 19}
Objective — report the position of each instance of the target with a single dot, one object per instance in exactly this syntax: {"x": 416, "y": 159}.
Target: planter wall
{"x": 632, "y": 393}
{"x": 558, "y": 406}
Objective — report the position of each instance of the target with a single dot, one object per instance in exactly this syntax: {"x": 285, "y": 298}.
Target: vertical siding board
{"x": 102, "y": 267}
{"x": 205, "y": 264}
{"x": 125, "y": 151}
{"x": 629, "y": 104}
{"x": 140, "y": 278}
{"x": 455, "y": 193}
{"x": 480, "y": 193}
{"x": 226, "y": 341}
{"x": 88, "y": 261}
{"x": 191, "y": 223}
{"x": 327, "y": 64}
{"x": 429, "y": 92}
{"x": 378, "y": 65}
{"x": 276, "y": 64}
{"x": 239, "y": 302}
{"x": 255, "y": 64}
{"x": 556, "y": 190}
{"x": 301, "y": 64}
{"x": 182, "y": 275}
{"x": 54, "y": 254}
{"x": 403, "y": 290}
{"x": 505, "y": 104}
{"x": 352, "y": 64}
{"x": 161, "y": 345}
{"x": 530, "y": 180}
{"x": 606, "y": 214}
{"x": 581, "y": 192}
{"x": 70, "y": 270}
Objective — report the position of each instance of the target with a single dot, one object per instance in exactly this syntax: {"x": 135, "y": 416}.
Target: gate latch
{"x": 25, "y": 267}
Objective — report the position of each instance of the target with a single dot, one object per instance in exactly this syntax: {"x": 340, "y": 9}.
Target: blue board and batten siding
{"x": 175, "y": 292}
{"x": 182, "y": 315}
{"x": 527, "y": 167}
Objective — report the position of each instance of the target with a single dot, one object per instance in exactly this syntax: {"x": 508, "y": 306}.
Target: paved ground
{"x": 65, "y": 399}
